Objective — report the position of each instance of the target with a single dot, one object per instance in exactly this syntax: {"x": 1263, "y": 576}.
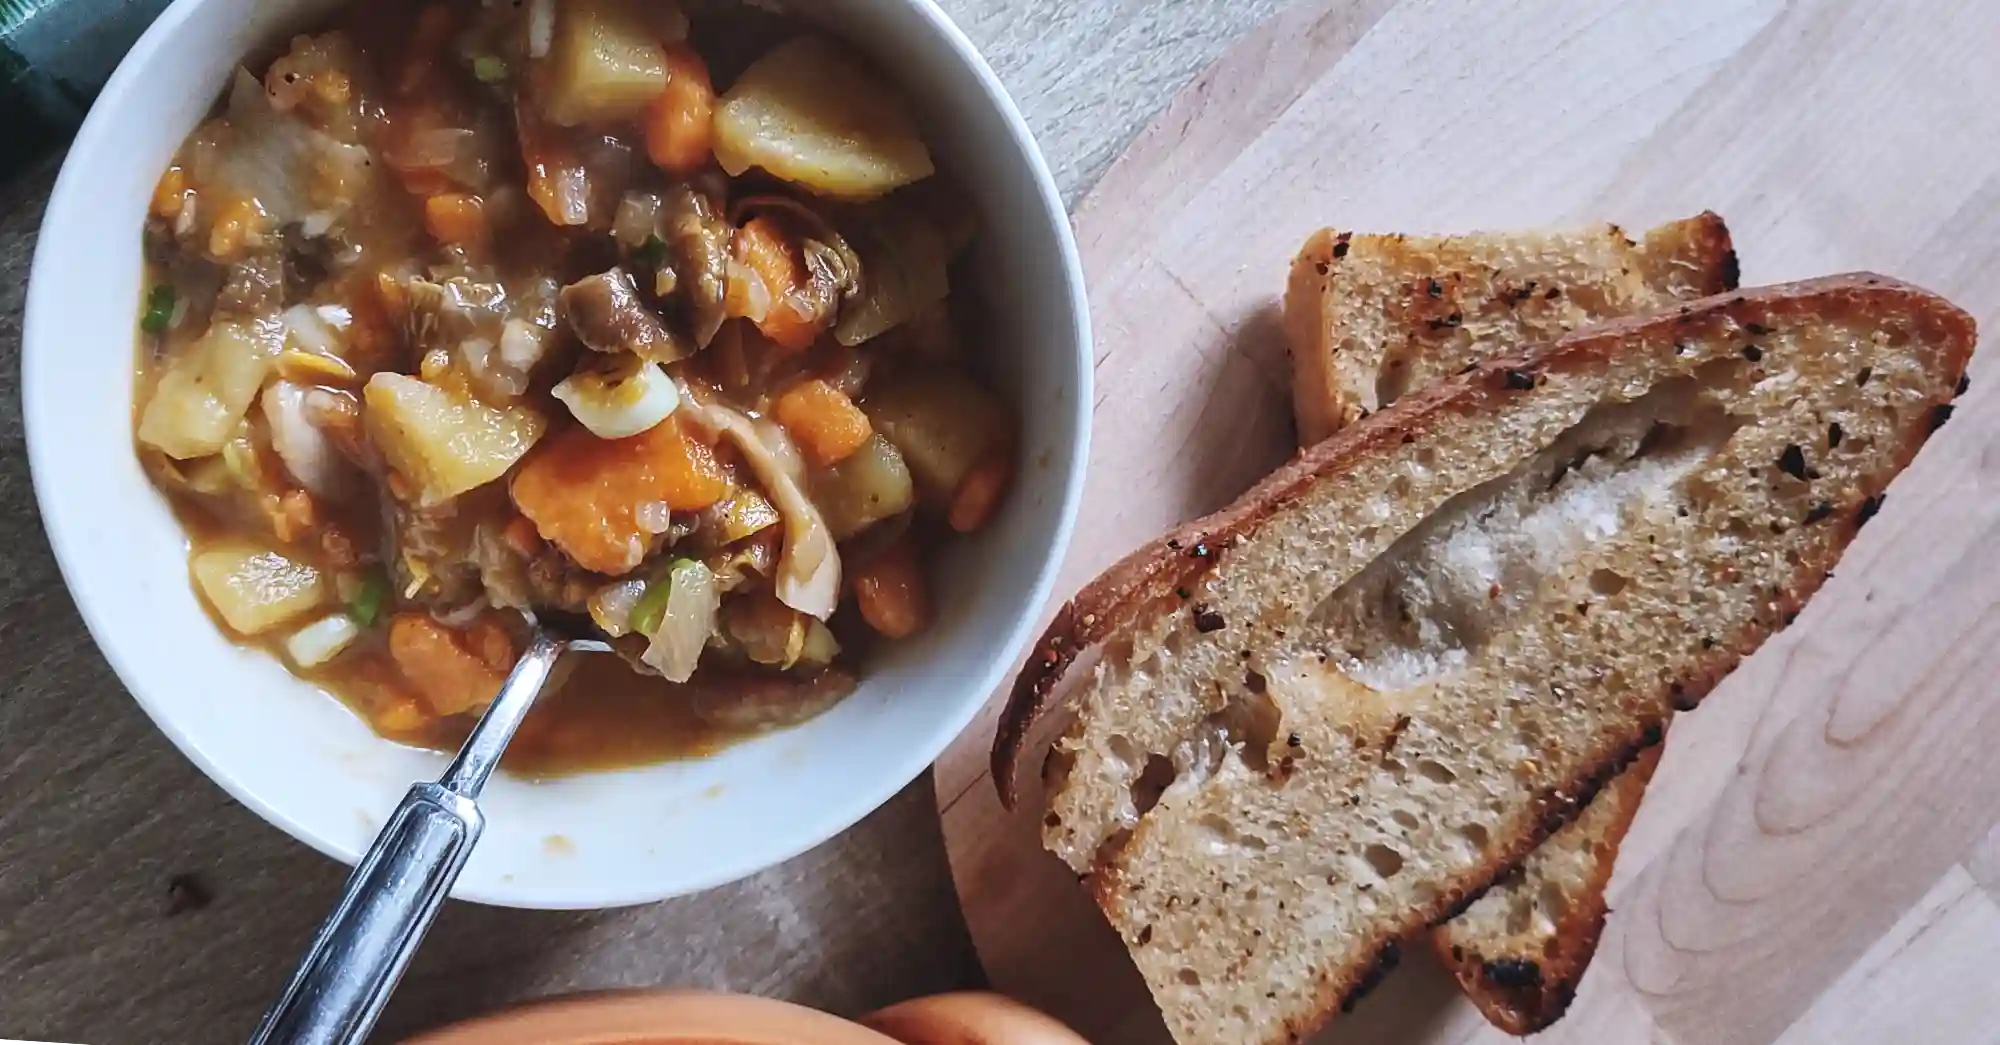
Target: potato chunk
{"x": 253, "y": 588}
{"x": 869, "y": 486}
{"x": 209, "y": 386}
{"x": 444, "y": 442}
{"x": 944, "y": 424}
{"x": 812, "y": 114}
{"x": 605, "y": 65}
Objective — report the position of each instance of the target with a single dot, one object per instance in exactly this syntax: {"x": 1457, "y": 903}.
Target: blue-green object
{"x": 54, "y": 57}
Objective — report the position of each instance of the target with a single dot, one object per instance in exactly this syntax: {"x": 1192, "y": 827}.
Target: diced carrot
{"x": 680, "y": 125}
{"x": 451, "y": 678}
{"x": 891, "y": 592}
{"x": 583, "y": 492}
{"x": 825, "y": 423}
{"x": 979, "y": 494}
{"x": 169, "y": 191}
{"x": 763, "y": 246}
{"x": 457, "y": 218}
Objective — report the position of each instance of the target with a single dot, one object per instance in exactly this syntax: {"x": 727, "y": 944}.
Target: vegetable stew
{"x": 621, "y": 314}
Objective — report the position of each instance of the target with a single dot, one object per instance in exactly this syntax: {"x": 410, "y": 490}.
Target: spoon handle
{"x": 400, "y": 883}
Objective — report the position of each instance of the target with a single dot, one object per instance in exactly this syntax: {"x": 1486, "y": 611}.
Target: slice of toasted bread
{"x": 1372, "y": 317}
{"x": 1523, "y": 968}
{"x": 1521, "y": 949}
{"x": 1331, "y": 715}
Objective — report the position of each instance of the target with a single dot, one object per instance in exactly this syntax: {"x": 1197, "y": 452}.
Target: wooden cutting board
{"x": 1818, "y": 858}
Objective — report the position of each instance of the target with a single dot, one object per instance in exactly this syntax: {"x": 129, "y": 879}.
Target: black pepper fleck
{"x": 1340, "y": 244}
{"x": 1834, "y": 434}
{"x": 1295, "y": 740}
{"x": 1520, "y": 379}
{"x": 1819, "y": 512}
{"x": 1174, "y": 543}
{"x": 1793, "y": 462}
{"x": 1753, "y": 353}
{"x": 1868, "y": 509}
{"x": 1435, "y": 289}
{"x": 1756, "y": 329}
{"x": 1207, "y": 620}
{"x": 1939, "y": 415}
{"x": 1184, "y": 593}
{"x": 1200, "y": 550}
{"x": 1513, "y": 972}
{"x": 1448, "y": 322}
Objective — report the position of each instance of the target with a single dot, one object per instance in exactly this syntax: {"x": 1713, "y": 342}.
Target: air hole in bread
{"x": 1606, "y": 582}
{"x": 1552, "y": 901}
{"x": 1384, "y": 861}
{"x": 1475, "y": 835}
{"x": 1189, "y": 977}
{"x": 1434, "y": 771}
{"x": 1405, "y": 819}
{"x": 1222, "y": 838}
{"x": 1392, "y": 381}
{"x": 1432, "y": 599}
{"x": 1152, "y": 783}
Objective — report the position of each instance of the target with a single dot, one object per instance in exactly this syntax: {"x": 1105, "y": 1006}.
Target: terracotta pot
{"x": 675, "y": 1017}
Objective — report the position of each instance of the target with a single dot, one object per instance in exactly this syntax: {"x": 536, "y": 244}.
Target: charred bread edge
{"x": 1523, "y": 1001}
{"x": 1153, "y": 571}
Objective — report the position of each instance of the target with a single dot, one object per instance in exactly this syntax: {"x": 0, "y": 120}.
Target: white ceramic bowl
{"x": 298, "y": 757}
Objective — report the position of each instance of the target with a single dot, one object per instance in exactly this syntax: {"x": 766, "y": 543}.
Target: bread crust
{"x": 1523, "y": 993}
{"x": 1153, "y": 571}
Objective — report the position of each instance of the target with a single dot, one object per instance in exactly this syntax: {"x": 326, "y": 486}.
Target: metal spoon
{"x": 398, "y": 886}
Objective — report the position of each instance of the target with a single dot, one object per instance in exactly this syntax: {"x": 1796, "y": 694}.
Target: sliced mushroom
{"x": 607, "y": 315}
{"x": 808, "y": 578}
{"x": 698, "y": 235}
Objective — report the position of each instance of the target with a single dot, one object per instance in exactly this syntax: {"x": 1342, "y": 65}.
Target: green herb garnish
{"x": 653, "y": 252}
{"x": 489, "y": 68}
{"x": 366, "y": 608}
{"x": 159, "y": 309}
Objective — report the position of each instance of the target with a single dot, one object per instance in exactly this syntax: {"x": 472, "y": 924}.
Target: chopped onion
{"x": 335, "y": 316}
{"x": 462, "y": 615}
{"x": 629, "y": 397}
{"x": 308, "y": 454}
{"x": 611, "y": 606}
{"x": 322, "y": 640}
{"x": 693, "y": 605}
{"x": 541, "y": 27}
{"x": 431, "y": 147}
{"x": 310, "y": 331}
{"x": 317, "y": 224}
{"x": 653, "y": 516}
{"x": 638, "y": 217}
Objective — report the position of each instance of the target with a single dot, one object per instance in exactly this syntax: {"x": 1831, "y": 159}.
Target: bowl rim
{"x": 40, "y": 340}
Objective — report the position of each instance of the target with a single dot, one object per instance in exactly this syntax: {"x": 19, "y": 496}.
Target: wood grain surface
{"x": 1819, "y": 857}
{"x": 98, "y": 813}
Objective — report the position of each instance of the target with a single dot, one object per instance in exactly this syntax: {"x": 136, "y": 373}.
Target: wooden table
{"x": 98, "y": 813}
